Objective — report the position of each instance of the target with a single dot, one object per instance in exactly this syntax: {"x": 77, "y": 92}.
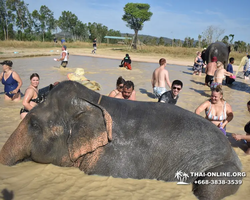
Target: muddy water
{"x": 39, "y": 181}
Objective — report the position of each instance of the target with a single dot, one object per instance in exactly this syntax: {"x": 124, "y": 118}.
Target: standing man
{"x": 94, "y": 46}
{"x": 64, "y": 57}
{"x": 159, "y": 79}
{"x": 172, "y": 95}
{"x": 210, "y": 69}
{"x": 128, "y": 91}
{"x": 231, "y": 70}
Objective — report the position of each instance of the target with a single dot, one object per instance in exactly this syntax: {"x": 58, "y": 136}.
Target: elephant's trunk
{"x": 17, "y": 146}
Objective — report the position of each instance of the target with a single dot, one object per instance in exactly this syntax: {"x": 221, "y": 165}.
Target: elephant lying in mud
{"x": 220, "y": 50}
{"x": 100, "y": 135}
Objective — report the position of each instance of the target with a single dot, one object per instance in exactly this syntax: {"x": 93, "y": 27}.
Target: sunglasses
{"x": 120, "y": 87}
{"x": 176, "y": 88}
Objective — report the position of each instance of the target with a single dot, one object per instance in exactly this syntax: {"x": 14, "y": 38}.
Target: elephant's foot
{"x": 215, "y": 187}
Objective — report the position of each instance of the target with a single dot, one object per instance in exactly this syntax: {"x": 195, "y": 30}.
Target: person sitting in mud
{"x": 119, "y": 87}
{"x": 126, "y": 62}
{"x": 217, "y": 110}
{"x": 33, "y": 96}
{"x": 64, "y": 57}
{"x": 172, "y": 95}
{"x": 210, "y": 69}
{"x": 30, "y": 99}
{"x": 11, "y": 81}
{"x": 219, "y": 75}
{"x": 247, "y": 130}
{"x": 128, "y": 91}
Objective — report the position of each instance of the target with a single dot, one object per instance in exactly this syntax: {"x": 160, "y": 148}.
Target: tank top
{"x": 66, "y": 56}
{"x": 10, "y": 83}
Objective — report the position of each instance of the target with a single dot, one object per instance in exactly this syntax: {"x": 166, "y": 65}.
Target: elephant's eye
{"x": 34, "y": 124}
{"x": 78, "y": 114}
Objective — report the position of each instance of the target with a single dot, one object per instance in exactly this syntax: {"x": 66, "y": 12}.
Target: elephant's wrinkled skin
{"x": 220, "y": 50}
{"x": 144, "y": 140}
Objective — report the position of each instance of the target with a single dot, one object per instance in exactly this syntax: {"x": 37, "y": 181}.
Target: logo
{"x": 181, "y": 177}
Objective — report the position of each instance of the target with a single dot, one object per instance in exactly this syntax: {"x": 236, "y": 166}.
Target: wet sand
{"x": 40, "y": 181}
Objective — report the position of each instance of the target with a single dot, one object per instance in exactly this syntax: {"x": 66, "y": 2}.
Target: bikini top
{"x": 219, "y": 76}
{"x": 222, "y": 117}
{"x": 116, "y": 93}
{"x": 36, "y": 100}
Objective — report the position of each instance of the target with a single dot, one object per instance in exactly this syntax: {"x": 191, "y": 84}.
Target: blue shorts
{"x": 158, "y": 91}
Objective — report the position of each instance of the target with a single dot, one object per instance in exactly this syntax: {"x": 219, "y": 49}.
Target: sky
{"x": 174, "y": 19}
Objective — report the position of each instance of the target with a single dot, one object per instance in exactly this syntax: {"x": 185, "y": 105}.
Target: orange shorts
{"x": 127, "y": 65}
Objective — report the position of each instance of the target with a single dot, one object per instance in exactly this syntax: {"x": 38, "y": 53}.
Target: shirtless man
{"x": 210, "y": 69}
{"x": 159, "y": 79}
{"x": 128, "y": 91}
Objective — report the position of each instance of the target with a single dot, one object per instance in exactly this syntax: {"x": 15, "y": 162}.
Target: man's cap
{"x": 64, "y": 46}
{"x": 214, "y": 59}
{"x": 7, "y": 62}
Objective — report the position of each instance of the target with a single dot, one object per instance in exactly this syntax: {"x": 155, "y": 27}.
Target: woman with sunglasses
{"x": 119, "y": 87}
{"x": 217, "y": 110}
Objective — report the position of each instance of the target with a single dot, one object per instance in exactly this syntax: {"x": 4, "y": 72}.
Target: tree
{"x": 212, "y": 34}
{"x": 135, "y": 16}
{"x": 67, "y": 22}
{"x": 232, "y": 38}
{"x": 161, "y": 41}
{"x": 22, "y": 12}
{"x": 225, "y": 39}
{"x": 199, "y": 38}
{"x": 97, "y": 31}
{"x": 44, "y": 20}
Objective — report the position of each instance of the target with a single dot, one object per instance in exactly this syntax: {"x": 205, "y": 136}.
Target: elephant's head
{"x": 60, "y": 130}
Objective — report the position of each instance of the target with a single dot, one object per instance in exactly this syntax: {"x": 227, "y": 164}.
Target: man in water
{"x": 159, "y": 79}
{"x": 64, "y": 57}
{"x": 172, "y": 95}
{"x": 94, "y": 46}
{"x": 128, "y": 91}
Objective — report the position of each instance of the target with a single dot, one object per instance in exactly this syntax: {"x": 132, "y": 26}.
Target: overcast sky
{"x": 171, "y": 18}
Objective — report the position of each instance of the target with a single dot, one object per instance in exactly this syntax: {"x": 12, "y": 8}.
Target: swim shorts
{"x": 158, "y": 91}
{"x": 209, "y": 79}
{"x": 214, "y": 85}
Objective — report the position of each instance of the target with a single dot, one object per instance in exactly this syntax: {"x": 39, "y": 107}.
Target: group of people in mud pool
{"x": 217, "y": 110}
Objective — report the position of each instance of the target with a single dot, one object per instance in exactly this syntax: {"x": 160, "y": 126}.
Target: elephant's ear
{"x": 229, "y": 49}
{"x": 91, "y": 128}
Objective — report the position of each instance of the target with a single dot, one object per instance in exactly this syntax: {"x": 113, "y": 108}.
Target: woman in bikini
{"x": 219, "y": 75}
{"x": 30, "y": 99}
{"x": 217, "y": 110}
{"x": 119, "y": 87}
{"x": 11, "y": 81}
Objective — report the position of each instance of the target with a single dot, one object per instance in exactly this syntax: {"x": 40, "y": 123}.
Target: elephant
{"x": 78, "y": 127}
{"x": 220, "y": 50}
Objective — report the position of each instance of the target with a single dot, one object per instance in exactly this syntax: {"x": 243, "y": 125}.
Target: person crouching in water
{"x": 126, "y": 62}
{"x": 64, "y": 57}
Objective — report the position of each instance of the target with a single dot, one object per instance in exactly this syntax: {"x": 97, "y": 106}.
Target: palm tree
{"x": 185, "y": 177}
{"x": 178, "y": 175}
{"x": 231, "y": 41}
